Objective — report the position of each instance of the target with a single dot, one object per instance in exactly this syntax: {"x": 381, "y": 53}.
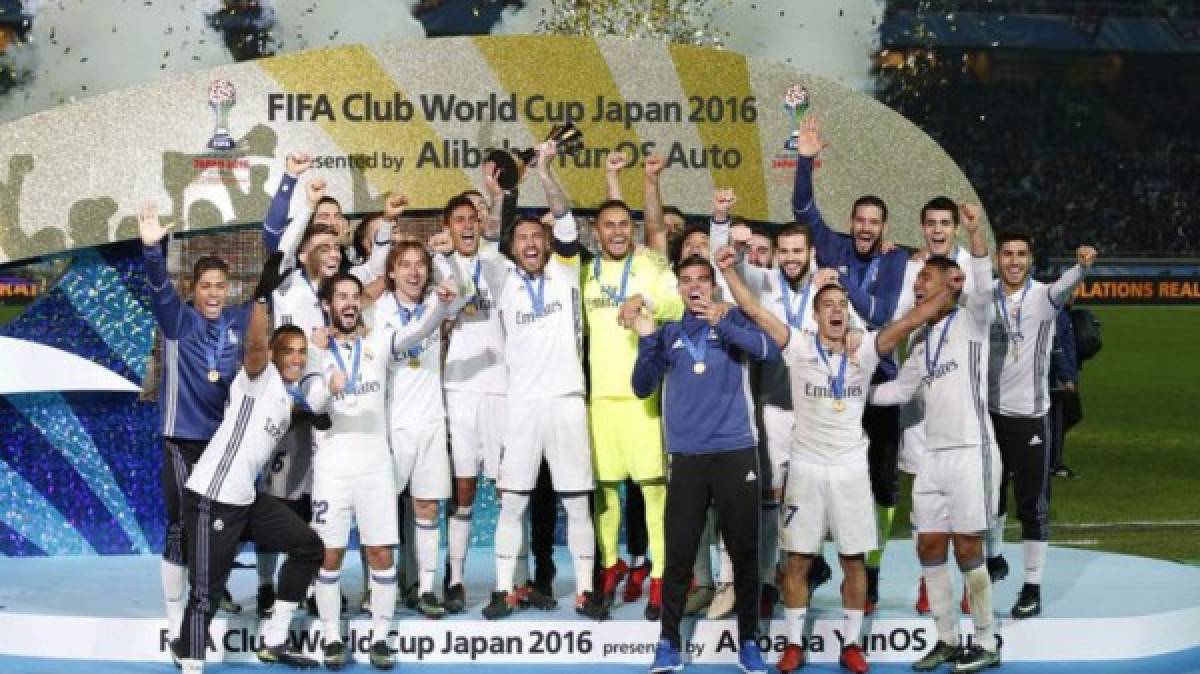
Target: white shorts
{"x": 778, "y": 424}
{"x": 368, "y": 500}
{"x": 828, "y": 499}
{"x": 552, "y": 428}
{"x": 476, "y": 432}
{"x": 957, "y": 490}
{"x": 422, "y": 460}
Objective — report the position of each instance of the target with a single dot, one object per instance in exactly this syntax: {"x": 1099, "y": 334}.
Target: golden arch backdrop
{"x": 421, "y": 114}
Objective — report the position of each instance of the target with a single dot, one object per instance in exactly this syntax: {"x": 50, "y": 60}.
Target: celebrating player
{"x": 1019, "y": 396}
{"x": 955, "y": 492}
{"x": 202, "y": 344}
{"x": 220, "y": 501}
{"x": 353, "y": 471}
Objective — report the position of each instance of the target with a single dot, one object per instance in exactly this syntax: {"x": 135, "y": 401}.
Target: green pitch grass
{"x": 1137, "y": 450}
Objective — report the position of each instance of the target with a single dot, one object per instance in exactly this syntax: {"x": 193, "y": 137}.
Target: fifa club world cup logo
{"x": 221, "y": 97}
{"x": 795, "y": 102}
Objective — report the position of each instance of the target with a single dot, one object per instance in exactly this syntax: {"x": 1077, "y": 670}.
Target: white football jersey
{"x": 1021, "y": 340}
{"x": 543, "y": 351}
{"x": 414, "y": 395}
{"x": 295, "y": 302}
{"x": 475, "y": 354}
{"x": 258, "y": 415}
{"x": 948, "y": 365}
{"x": 907, "y": 295}
{"x": 822, "y": 434}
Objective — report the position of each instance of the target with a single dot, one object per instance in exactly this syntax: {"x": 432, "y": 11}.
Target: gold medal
{"x": 414, "y": 363}
{"x": 470, "y": 309}
{"x": 839, "y": 405}
{"x": 214, "y": 376}
{"x": 698, "y": 368}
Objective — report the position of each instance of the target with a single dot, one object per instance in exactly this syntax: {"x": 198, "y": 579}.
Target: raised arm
{"x": 556, "y": 197}
{"x": 979, "y": 300}
{"x": 289, "y": 243}
{"x": 493, "y": 224}
{"x": 257, "y": 352}
{"x": 879, "y": 307}
{"x": 169, "y": 309}
{"x": 734, "y": 328}
{"x": 652, "y": 210}
{"x": 804, "y": 204}
{"x": 277, "y": 213}
{"x": 1062, "y": 289}
{"x": 746, "y": 300}
{"x": 438, "y": 306}
{"x": 614, "y": 162}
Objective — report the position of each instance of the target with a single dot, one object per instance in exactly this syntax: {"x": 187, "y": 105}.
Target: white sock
{"x": 768, "y": 542}
{"x": 429, "y": 536}
{"x": 329, "y": 604}
{"x": 275, "y": 629}
{"x": 265, "y": 566}
{"x": 995, "y": 536}
{"x": 636, "y": 560}
{"x": 383, "y": 601}
{"x": 940, "y": 589}
{"x": 702, "y": 568}
{"x": 509, "y": 534}
{"x": 458, "y": 537}
{"x": 1035, "y": 560}
{"x": 191, "y": 666}
{"x": 853, "y": 620}
{"x": 726, "y": 573}
{"x": 979, "y": 593}
{"x": 174, "y": 584}
{"x": 521, "y": 570}
{"x": 581, "y": 541}
{"x": 794, "y": 618}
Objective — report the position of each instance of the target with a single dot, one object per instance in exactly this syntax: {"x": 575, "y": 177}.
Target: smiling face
{"x": 1014, "y": 259}
{"x": 289, "y": 353}
{"x": 939, "y": 229}
{"x": 322, "y": 258}
{"x": 930, "y": 281}
{"x": 344, "y": 307}
{"x": 529, "y": 246}
{"x": 464, "y": 226}
{"x": 209, "y": 293}
{"x": 409, "y": 274}
{"x": 792, "y": 254}
{"x": 866, "y": 227}
{"x": 832, "y": 309}
{"x": 696, "y": 285}
{"x": 614, "y": 231}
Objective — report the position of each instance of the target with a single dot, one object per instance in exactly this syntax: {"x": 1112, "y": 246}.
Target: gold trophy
{"x": 513, "y": 163}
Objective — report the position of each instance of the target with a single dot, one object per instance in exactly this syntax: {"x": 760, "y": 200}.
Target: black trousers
{"x": 882, "y": 425}
{"x": 214, "y": 532}
{"x": 730, "y": 480}
{"x": 637, "y": 540}
{"x": 1024, "y": 451}
{"x": 179, "y": 456}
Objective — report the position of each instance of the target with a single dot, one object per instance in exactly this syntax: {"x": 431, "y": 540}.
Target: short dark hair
{"x": 795, "y": 229}
{"x": 209, "y": 263}
{"x": 469, "y": 193}
{"x": 287, "y": 330}
{"x": 828, "y": 287}
{"x": 944, "y": 264}
{"x": 456, "y": 202}
{"x": 940, "y": 203}
{"x": 676, "y": 247}
{"x": 614, "y": 203}
{"x": 869, "y": 200}
{"x": 697, "y": 261}
{"x": 325, "y": 294}
{"x": 1005, "y": 236}
{"x": 315, "y": 230}
{"x": 671, "y": 210}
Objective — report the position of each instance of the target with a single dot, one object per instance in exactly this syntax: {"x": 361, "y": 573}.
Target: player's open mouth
{"x": 865, "y": 238}
{"x": 919, "y": 296}
{"x": 792, "y": 269}
{"x": 330, "y": 268}
{"x": 1015, "y": 270}
{"x": 937, "y": 242}
{"x": 530, "y": 254}
{"x": 695, "y": 296}
{"x": 836, "y": 322}
{"x": 212, "y": 304}
{"x": 468, "y": 237}
{"x": 349, "y": 314}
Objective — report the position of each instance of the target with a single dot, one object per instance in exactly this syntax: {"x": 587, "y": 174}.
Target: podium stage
{"x": 1098, "y": 607}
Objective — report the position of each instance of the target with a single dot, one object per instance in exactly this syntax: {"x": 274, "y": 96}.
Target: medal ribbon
{"x": 837, "y": 384}
{"x": 352, "y": 376}
{"x": 1001, "y": 297}
{"x": 931, "y": 365}
{"x": 298, "y": 397}
{"x": 213, "y": 353}
{"x": 619, "y": 297}
{"x": 796, "y": 320}
{"x": 697, "y": 352}
{"x": 407, "y": 316}
{"x": 538, "y": 299}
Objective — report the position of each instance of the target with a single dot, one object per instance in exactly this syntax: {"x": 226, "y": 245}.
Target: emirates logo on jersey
{"x": 218, "y": 525}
